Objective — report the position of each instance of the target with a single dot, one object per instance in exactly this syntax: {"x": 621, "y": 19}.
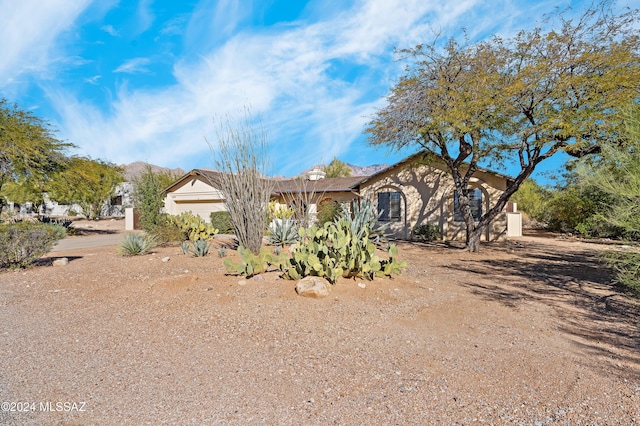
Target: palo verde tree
{"x": 86, "y": 182}
{"x": 28, "y": 149}
{"x": 516, "y": 100}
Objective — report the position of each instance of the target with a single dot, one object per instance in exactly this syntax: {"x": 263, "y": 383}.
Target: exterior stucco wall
{"x": 195, "y": 195}
{"x": 427, "y": 193}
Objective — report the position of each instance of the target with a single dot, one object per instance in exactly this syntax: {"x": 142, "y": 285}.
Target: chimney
{"x": 316, "y": 174}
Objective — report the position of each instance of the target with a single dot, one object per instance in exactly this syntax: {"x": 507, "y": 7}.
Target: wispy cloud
{"x": 134, "y": 66}
{"x": 110, "y": 30}
{"x": 29, "y": 30}
{"x": 284, "y": 72}
{"x": 93, "y": 80}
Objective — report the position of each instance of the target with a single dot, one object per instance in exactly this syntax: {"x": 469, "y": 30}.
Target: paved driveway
{"x": 73, "y": 243}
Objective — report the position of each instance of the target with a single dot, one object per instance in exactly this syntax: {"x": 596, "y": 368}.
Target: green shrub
{"x": 167, "y": 230}
{"x": 222, "y": 252}
{"x": 427, "y": 232}
{"x": 134, "y": 244}
{"x": 222, "y": 221}
{"x": 22, "y": 243}
{"x": 626, "y": 266}
{"x": 282, "y": 232}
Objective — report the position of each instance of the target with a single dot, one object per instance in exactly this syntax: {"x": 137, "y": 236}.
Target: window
{"x": 389, "y": 206}
{"x": 475, "y": 202}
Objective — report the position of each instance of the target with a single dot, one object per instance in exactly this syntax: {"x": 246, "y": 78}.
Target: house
{"x": 414, "y": 191}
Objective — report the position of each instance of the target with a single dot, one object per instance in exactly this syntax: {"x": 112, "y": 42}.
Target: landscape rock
{"x": 315, "y": 287}
{"x": 166, "y": 259}
{"x": 258, "y": 277}
{"x": 61, "y": 262}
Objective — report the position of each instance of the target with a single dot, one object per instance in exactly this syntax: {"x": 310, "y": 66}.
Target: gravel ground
{"x": 527, "y": 332}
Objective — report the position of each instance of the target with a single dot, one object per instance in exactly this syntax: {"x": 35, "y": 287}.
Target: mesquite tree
{"x": 515, "y": 100}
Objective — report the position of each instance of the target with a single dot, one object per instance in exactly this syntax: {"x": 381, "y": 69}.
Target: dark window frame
{"x": 390, "y": 206}
{"x": 475, "y": 202}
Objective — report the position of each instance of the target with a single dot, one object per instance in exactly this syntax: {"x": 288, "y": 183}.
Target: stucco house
{"x": 411, "y": 192}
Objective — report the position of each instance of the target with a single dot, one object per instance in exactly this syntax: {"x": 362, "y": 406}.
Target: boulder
{"x": 61, "y": 262}
{"x": 315, "y": 287}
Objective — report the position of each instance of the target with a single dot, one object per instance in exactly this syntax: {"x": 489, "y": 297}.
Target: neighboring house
{"x": 113, "y": 207}
{"x": 412, "y": 192}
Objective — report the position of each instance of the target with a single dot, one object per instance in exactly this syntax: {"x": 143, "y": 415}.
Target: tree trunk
{"x": 473, "y": 240}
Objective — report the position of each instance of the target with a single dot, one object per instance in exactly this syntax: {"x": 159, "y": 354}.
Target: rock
{"x": 166, "y": 259}
{"x": 258, "y": 277}
{"x": 362, "y": 285}
{"x": 242, "y": 282}
{"x": 314, "y": 287}
{"x": 61, "y": 262}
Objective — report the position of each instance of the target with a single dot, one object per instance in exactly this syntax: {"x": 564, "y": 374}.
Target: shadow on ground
{"x": 601, "y": 317}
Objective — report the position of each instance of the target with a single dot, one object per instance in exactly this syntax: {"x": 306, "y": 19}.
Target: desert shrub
{"x": 222, "y": 222}
{"x": 167, "y": 230}
{"x": 222, "y": 252}
{"x": 282, "y": 232}
{"x": 626, "y": 266}
{"x": 22, "y": 243}
{"x": 134, "y": 244}
{"x": 334, "y": 251}
{"x": 328, "y": 211}
{"x": 427, "y": 232}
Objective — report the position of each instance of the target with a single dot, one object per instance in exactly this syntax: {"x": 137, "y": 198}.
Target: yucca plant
{"x": 134, "y": 244}
{"x": 283, "y": 232}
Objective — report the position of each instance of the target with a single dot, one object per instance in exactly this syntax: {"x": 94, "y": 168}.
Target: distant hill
{"x": 355, "y": 170}
{"x": 135, "y": 169}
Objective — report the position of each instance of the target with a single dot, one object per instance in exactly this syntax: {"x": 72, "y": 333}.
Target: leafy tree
{"x": 148, "y": 197}
{"x": 531, "y": 198}
{"x": 86, "y": 182}
{"x": 517, "y": 100}
{"x": 616, "y": 172}
{"x": 28, "y": 148}
{"x": 337, "y": 168}
{"x": 25, "y": 191}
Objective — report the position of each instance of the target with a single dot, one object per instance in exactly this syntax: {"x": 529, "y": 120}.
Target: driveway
{"x": 73, "y": 243}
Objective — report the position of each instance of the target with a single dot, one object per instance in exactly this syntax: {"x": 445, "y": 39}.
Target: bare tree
{"x": 241, "y": 157}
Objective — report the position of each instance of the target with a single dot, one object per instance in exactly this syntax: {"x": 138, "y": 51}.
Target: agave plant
{"x": 283, "y": 232}
{"x": 363, "y": 220}
{"x": 200, "y": 248}
{"x": 134, "y": 244}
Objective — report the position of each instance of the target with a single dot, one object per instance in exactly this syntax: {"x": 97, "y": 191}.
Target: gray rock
{"x": 258, "y": 277}
{"x": 314, "y": 287}
{"x": 61, "y": 262}
{"x": 166, "y": 259}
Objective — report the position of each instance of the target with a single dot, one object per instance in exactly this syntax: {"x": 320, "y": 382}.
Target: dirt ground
{"x": 529, "y": 331}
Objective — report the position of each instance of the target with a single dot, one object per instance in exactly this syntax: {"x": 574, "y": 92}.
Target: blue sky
{"x": 142, "y": 80}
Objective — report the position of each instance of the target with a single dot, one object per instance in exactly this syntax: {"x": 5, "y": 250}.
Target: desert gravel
{"x": 528, "y": 332}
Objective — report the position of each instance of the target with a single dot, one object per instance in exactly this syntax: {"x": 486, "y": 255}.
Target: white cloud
{"x": 93, "y": 80}
{"x": 110, "y": 30}
{"x": 29, "y": 29}
{"x": 284, "y": 73}
{"x": 134, "y": 66}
